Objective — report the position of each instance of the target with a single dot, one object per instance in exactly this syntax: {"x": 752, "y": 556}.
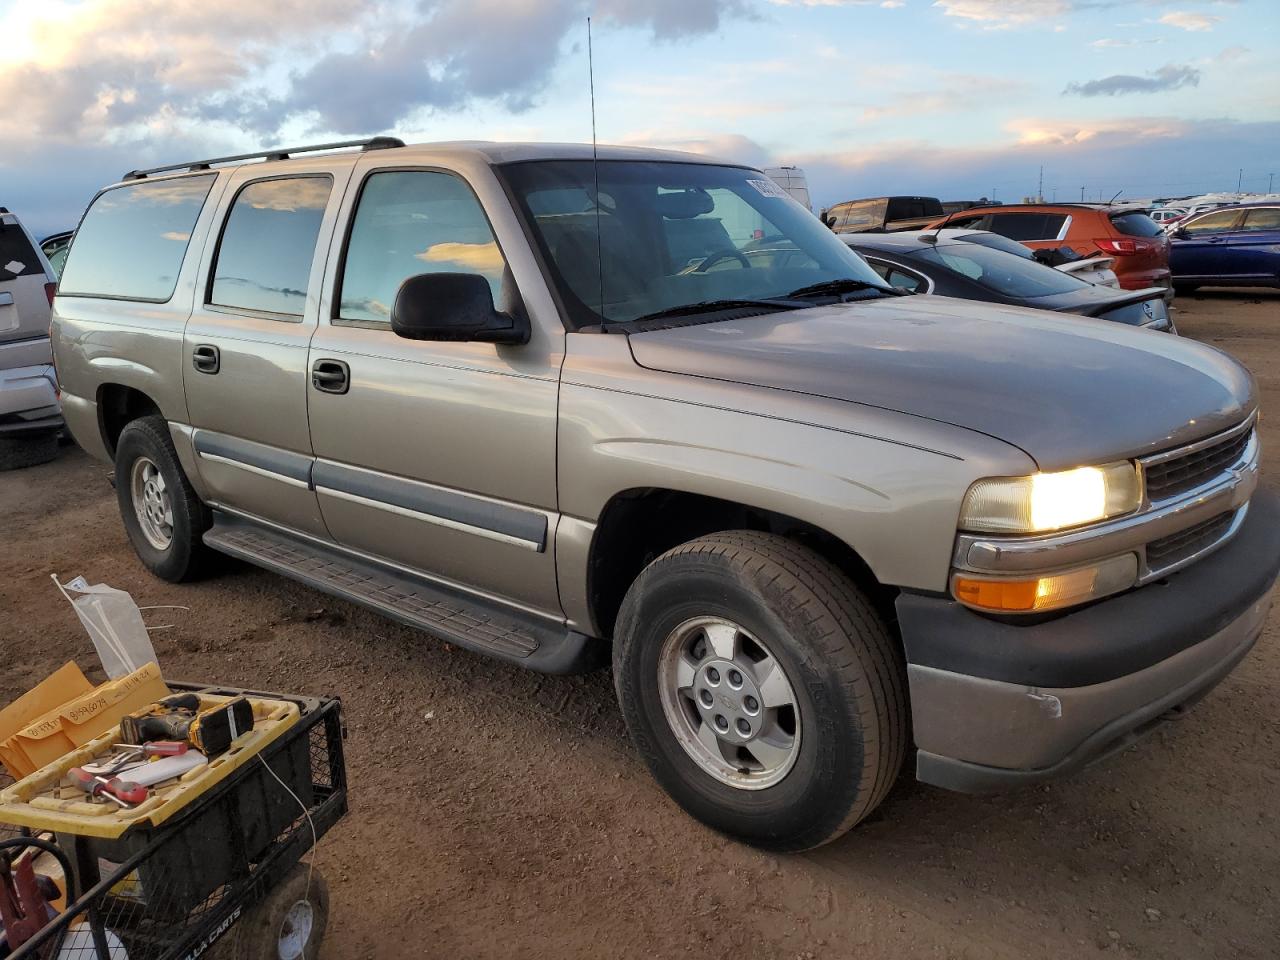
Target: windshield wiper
{"x": 837, "y": 287}
{"x": 710, "y": 306}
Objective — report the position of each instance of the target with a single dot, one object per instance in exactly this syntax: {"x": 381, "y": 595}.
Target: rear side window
{"x": 410, "y": 222}
{"x": 1028, "y": 226}
{"x": 913, "y": 208}
{"x": 1262, "y": 218}
{"x": 17, "y": 258}
{"x": 1135, "y": 225}
{"x": 268, "y": 244}
{"x": 132, "y": 240}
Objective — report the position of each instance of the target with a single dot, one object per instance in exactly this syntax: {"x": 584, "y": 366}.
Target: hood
{"x": 1067, "y": 392}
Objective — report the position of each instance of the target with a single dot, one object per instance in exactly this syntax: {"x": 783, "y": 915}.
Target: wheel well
{"x": 639, "y": 525}
{"x": 118, "y": 405}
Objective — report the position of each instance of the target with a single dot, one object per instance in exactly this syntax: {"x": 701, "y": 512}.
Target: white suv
{"x": 30, "y": 417}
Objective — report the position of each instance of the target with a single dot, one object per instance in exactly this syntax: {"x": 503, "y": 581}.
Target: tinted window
{"x": 412, "y": 222}
{"x": 997, "y": 242}
{"x": 1001, "y": 272}
{"x": 1211, "y": 222}
{"x": 1028, "y": 226}
{"x": 913, "y": 208}
{"x": 132, "y": 240}
{"x": 1135, "y": 224}
{"x": 1263, "y": 218}
{"x": 899, "y": 278}
{"x": 268, "y": 244}
{"x": 17, "y": 258}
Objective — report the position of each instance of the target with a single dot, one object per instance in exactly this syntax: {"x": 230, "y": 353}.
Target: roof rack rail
{"x": 370, "y": 143}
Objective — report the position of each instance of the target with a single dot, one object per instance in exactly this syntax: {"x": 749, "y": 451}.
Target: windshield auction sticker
{"x": 767, "y": 188}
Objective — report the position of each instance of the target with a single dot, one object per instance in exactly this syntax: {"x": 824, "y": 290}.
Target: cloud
{"x": 1005, "y": 12}
{"x": 1169, "y": 77}
{"x": 945, "y": 93}
{"x": 1185, "y": 20}
{"x": 127, "y": 70}
{"x": 1109, "y": 44}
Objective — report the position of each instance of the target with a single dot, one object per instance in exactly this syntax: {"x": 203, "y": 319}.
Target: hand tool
{"x": 124, "y": 792}
{"x": 180, "y": 718}
{"x": 158, "y": 748}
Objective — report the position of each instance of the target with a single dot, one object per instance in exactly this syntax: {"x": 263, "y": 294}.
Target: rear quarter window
{"x": 132, "y": 241}
{"x": 1028, "y": 226}
{"x": 17, "y": 257}
{"x": 1136, "y": 225}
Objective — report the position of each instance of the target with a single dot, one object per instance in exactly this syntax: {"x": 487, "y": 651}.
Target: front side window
{"x": 268, "y": 245}
{"x": 132, "y": 241}
{"x": 658, "y": 237}
{"x": 1212, "y": 223}
{"x": 409, "y": 222}
{"x": 1262, "y": 218}
{"x": 1001, "y": 272}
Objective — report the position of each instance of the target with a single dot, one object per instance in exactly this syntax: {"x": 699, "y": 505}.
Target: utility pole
{"x": 1082, "y": 194}
{"x": 1270, "y": 180}
{"x": 1240, "y": 180}
{"x": 1040, "y": 186}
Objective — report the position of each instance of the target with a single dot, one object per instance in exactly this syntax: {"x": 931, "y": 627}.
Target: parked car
{"x": 649, "y": 411}
{"x": 794, "y": 182}
{"x": 1139, "y": 246}
{"x": 30, "y": 418}
{"x": 882, "y": 214}
{"x": 55, "y": 250}
{"x": 1168, "y": 215}
{"x": 951, "y": 263}
{"x": 1232, "y": 246}
{"x": 1095, "y": 270}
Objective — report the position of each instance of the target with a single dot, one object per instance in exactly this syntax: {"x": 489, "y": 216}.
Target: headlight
{"x": 1051, "y": 501}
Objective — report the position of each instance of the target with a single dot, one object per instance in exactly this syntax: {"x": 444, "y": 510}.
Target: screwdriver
{"x": 158, "y": 748}
{"x": 124, "y": 792}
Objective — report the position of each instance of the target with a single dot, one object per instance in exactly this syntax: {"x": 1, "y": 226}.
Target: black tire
{"x": 257, "y": 935}
{"x": 28, "y": 449}
{"x": 843, "y": 665}
{"x": 186, "y": 556}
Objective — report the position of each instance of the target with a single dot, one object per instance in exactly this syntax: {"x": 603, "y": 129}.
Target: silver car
{"x": 647, "y": 409}
{"x": 30, "y": 419}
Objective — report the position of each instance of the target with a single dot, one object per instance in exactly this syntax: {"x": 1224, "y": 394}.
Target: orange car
{"x": 1138, "y": 244}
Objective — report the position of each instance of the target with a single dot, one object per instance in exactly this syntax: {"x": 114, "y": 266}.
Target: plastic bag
{"x": 114, "y": 623}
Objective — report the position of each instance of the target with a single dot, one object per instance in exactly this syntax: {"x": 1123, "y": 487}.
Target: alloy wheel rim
{"x": 729, "y": 703}
{"x": 151, "y": 503}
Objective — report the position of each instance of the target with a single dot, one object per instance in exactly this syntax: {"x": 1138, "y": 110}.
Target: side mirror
{"x": 456, "y": 307}
{"x": 830, "y": 222}
{"x": 1179, "y": 233}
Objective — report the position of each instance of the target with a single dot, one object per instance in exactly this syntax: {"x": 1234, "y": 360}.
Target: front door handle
{"x": 330, "y": 376}
{"x": 206, "y": 359}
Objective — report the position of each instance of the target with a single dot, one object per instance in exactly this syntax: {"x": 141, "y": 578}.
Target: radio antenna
{"x": 595, "y": 171}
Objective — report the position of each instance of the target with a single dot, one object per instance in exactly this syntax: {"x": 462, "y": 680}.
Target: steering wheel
{"x": 725, "y": 253}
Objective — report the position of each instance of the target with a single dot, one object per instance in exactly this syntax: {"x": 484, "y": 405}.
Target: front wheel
{"x": 762, "y": 688}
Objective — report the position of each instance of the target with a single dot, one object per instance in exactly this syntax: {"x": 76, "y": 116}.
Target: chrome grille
{"x": 1178, "y": 474}
{"x": 1178, "y": 546}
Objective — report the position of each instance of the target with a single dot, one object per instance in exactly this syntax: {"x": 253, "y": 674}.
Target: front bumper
{"x": 997, "y": 705}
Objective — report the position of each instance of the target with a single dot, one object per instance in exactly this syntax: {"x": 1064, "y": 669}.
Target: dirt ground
{"x": 501, "y": 814}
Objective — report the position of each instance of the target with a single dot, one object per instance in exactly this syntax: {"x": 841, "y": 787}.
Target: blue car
{"x": 1235, "y": 246}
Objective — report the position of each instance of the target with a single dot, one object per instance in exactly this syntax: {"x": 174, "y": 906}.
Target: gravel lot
{"x": 500, "y": 814}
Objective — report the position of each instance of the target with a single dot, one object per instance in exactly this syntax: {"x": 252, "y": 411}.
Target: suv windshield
{"x": 666, "y": 236}
{"x": 1001, "y": 272}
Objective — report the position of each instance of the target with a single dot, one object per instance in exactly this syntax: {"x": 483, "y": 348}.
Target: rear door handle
{"x": 330, "y": 376}
{"x": 206, "y": 358}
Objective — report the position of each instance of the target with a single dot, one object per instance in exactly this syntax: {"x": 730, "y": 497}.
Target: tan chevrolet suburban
{"x": 649, "y": 408}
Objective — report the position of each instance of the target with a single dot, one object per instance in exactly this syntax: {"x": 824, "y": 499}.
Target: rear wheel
{"x": 762, "y": 688}
{"x": 28, "y": 449}
{"x": 162, "y": 514}
{"x": 288, "y": 924}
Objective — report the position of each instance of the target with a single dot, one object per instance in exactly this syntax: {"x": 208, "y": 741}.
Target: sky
{"x": 958, "y": 99}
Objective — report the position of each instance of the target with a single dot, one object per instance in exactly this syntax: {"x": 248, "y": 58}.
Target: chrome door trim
{"x": 256, "y": 458}
{"x": 439, "y": 506}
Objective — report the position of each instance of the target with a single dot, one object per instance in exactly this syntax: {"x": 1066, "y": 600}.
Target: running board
{"x": 459, "y": 618}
